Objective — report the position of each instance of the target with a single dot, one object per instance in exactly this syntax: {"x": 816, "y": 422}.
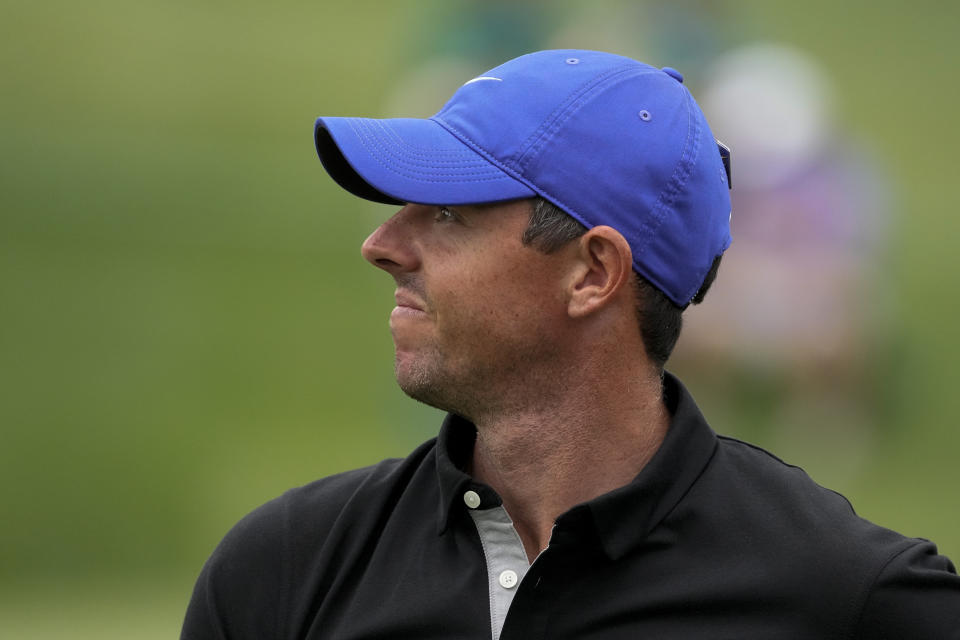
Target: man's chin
{"x": 423, "y": 385}
{"x": 427, "y": 395}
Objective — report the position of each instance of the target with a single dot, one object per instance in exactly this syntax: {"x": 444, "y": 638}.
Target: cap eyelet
{"x": 573, "y": 60}
{"x": 645, "y": 115}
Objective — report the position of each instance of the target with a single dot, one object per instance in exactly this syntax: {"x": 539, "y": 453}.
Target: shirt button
{"x": 508, "y": 579}
{"x": 472, "y": 498}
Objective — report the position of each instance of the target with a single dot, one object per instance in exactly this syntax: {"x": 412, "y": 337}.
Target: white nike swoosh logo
{"x": 479, "y": 78}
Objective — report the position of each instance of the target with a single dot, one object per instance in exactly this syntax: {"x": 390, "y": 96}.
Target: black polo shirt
{"x": 714, "y": 539}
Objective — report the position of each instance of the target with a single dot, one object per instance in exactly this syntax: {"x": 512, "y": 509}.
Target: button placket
{"x": 505, "y": 558}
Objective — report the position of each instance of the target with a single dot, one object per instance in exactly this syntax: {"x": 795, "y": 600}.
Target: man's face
{"x": 478, "y": 313}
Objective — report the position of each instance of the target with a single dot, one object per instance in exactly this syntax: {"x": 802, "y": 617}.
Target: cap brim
{"x": 402, "y": 160}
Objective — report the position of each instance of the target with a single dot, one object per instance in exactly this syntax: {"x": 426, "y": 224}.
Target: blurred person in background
{"x": 798, "y": 313}
{"x": 556, "y": 218}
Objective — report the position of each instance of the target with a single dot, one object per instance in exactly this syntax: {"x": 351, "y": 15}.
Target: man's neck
{"x": 545, "y": 461}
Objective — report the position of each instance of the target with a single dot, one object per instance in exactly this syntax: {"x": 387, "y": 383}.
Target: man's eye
{"x": 444, "y": 214}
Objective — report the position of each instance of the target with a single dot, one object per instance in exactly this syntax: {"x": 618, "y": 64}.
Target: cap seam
{"x": 667, "y": 197}
{"x": 399, "y": 142}
{"x": 365, "y": 138}
{"x": 481, "y": 151}
{"x": 676, "y": 181}
{"x": 466, "y": 139}
{"x": 509, "y": 171}
{"x": 570, "y": 105}
{"x": 380, "y": 154}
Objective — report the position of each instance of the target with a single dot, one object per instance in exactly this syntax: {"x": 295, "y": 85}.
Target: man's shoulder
{"x": 299, "y": 538}
{"x": 756, "y": 519}
{"x": 306, "y": 517}
{"x": 812, "y": 534}
{"x": 261, "y": 541}
{"x": 778, "y": 505}
{"x": 781, "y": 510}
{"x": 315, "y": 506}
{"x": 750, "y": 467}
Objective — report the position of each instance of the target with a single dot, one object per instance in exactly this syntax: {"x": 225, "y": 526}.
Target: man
{"x": 556, "y": 217}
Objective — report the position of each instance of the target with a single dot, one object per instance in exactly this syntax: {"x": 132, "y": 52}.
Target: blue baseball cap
{"x": 609, "y": 140}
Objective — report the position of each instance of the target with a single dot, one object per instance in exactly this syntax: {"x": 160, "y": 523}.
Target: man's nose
{"x": 390, "y": 246}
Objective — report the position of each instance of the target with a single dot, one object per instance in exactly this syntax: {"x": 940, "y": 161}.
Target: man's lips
{"x": 408, "y": 306}
{"x": 408, "y": 301}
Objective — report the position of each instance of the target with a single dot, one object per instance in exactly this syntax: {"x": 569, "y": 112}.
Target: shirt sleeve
{"x": 240, "y": 591}
{"x": 916, "y": 596}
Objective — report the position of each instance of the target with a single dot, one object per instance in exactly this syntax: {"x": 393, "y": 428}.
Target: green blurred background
{"x": 187, "y": 328}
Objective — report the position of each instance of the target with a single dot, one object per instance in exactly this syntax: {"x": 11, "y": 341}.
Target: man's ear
{"x": 604, "y": 269}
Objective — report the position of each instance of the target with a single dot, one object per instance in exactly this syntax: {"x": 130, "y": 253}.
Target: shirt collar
{"x": 454, "y": 449}
{"x": 625, "y": 516}
{"x": 622, "y": 517}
